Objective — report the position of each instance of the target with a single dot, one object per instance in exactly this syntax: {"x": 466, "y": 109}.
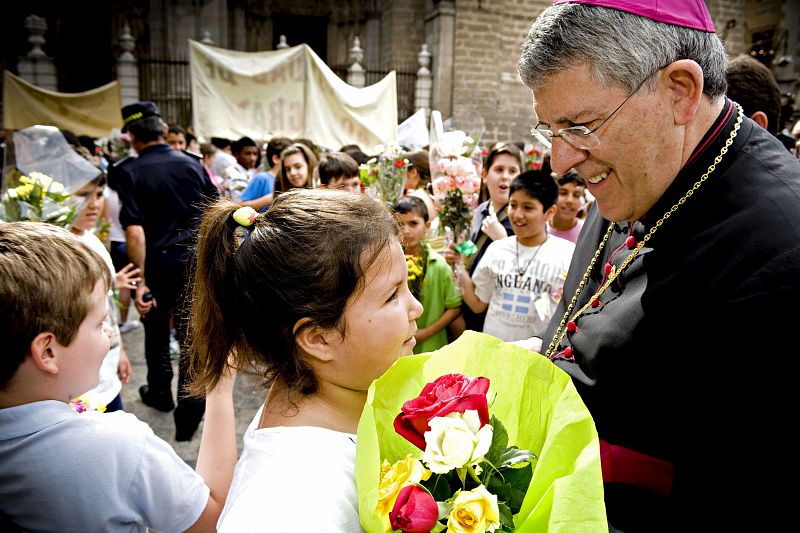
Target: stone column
{"x": 355, "y": 74}
{"x": 424, "y": 84}
{"x": 372, "y": 36}
{"x": 440, "y": 31}
{"x": 37, "y": 67}
{"x": 127, "y": 69}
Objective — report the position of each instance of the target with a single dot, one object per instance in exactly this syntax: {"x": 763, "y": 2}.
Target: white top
{"x": 115, "y": 231}
{"x": 293, "y": 479}
{"x": 92, "y": 472}
{"x": 109, "y": 385}
{"x": 522, "y": 292}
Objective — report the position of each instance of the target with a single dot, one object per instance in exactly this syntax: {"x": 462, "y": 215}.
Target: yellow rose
{"x": 394, "y": 478}
{"x": 24, "y": 191}
{"x": 474, "y": 511}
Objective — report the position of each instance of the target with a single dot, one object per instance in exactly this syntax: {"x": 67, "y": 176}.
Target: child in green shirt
{"x": 437, "y": 291}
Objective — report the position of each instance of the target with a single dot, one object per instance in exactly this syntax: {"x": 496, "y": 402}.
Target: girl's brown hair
{"x": 420, "y": 160}
{"x": 282, "y": 184}
{"x": 303, "y": 259}
{"x": 496, "y": 150}
{"x": 503, "y": 148}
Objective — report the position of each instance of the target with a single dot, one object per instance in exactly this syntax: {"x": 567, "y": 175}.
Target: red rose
{"x": 415, "y": 511}
{"x": 451, "y": 393}
{"x": 399, "y": 163}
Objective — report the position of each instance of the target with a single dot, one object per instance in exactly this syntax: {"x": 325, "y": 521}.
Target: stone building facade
{"x": 474, "y": 44}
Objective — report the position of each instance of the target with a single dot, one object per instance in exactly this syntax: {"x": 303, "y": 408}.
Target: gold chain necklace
{"x": 615, "y": 272}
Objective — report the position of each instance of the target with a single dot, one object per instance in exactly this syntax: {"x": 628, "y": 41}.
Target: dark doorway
{"x": 78, "y": 40}
{"x": 298, "y": 29}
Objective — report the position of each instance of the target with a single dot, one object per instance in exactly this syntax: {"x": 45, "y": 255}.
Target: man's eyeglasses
{"x": 580, "y": 137}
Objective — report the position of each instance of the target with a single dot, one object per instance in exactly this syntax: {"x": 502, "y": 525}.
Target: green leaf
{"x": 499, "y": 441}
{"x": 514, "y": 456}
{"x": 499, "y": 488}
{"x": 438, "y": 528}
{"x": 506, "y": 516}
{"x": 519, "y": 478}
{"x": 442, "y": 486}
{"x": 511, "y": 488}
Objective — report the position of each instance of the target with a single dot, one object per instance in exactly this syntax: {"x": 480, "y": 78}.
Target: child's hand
{"x": 127, "y": 277}
{"x": 492, "y": 227}
{"x": 124, "y": 369}
{"x": 451, "y": 256}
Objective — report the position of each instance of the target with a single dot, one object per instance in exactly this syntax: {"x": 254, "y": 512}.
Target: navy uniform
{"x": 164, "y": 191}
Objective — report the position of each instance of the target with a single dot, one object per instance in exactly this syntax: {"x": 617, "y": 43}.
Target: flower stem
{"x": 473, "y": 475}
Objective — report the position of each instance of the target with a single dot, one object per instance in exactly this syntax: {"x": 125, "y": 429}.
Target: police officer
{"x": 162, "y": 194}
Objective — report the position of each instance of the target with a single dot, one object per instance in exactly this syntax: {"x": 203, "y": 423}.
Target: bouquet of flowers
{"x": 384, "y": 176}
{"x": 417, "y": 265}
{"x": 534, "y": 157}
{"x": 44, "y": 172}
{"x": 36, "y": 198}
{"x": 524, "y": 459}
{"x": 81, "y": 405}
{"x": 455, "y": 182}
{"x": 472, "y": 475}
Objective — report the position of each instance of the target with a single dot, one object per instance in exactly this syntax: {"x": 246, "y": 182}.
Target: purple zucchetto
{"x": 686, "y": 13}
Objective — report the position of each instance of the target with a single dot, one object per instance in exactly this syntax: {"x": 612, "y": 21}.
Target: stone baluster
{"x": 37, "y": 67}
{"x": 127, "y": 69}
{"x": 356, "y": 76}
{"x": 207, "y": 38}
{"x": 282, "y": 43}
{"x": 423, "y": 88}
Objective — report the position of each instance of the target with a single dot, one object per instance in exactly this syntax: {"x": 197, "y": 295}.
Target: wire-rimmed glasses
{"x": 580, "y": 137}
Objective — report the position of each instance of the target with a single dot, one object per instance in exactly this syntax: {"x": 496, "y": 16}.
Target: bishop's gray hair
{"x": 620, "y": 48}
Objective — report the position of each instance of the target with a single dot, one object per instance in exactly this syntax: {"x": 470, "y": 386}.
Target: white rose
{"x": 56, "y": 188}
{"x": 455, "y": 441}
{"x": 453, "y": 143}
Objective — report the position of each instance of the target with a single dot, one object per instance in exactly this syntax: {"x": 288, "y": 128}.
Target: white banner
{"x": 93, "y": 113}
{"x": 289, "y": 92}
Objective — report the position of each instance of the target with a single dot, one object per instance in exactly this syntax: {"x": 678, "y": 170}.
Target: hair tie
{"x": 242, "y": 217}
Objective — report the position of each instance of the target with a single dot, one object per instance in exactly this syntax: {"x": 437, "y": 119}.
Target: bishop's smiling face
{"x": 639, "y": 153}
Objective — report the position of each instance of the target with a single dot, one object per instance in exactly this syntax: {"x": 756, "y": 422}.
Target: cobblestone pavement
{"x": 248, "y": 397}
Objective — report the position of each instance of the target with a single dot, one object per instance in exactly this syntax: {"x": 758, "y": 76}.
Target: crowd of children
{"x": 300, "y": 289}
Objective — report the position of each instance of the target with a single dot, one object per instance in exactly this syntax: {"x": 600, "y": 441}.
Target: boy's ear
{"x": 427, "y": 224}
{"x": 760, "y": 118}
{"x": 43, "y": 352}
{"x": 551, "y": 211}
{"x": 313, "y": 340}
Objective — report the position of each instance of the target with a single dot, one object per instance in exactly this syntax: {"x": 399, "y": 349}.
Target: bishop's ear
{"x": 684, "y": 82}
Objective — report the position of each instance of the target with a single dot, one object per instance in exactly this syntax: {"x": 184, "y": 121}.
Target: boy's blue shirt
{"x": 260, "y": 185}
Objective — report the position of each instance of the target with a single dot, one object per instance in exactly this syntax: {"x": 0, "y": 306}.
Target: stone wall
{"x": 402, "y": 33}
{"x": 488, "y": 37}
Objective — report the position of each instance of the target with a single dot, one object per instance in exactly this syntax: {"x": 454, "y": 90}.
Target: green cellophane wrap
{"x": 537, "y": 403}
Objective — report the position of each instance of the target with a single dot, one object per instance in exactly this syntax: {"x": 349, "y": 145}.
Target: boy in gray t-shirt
{"x": 64, "y": 471}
